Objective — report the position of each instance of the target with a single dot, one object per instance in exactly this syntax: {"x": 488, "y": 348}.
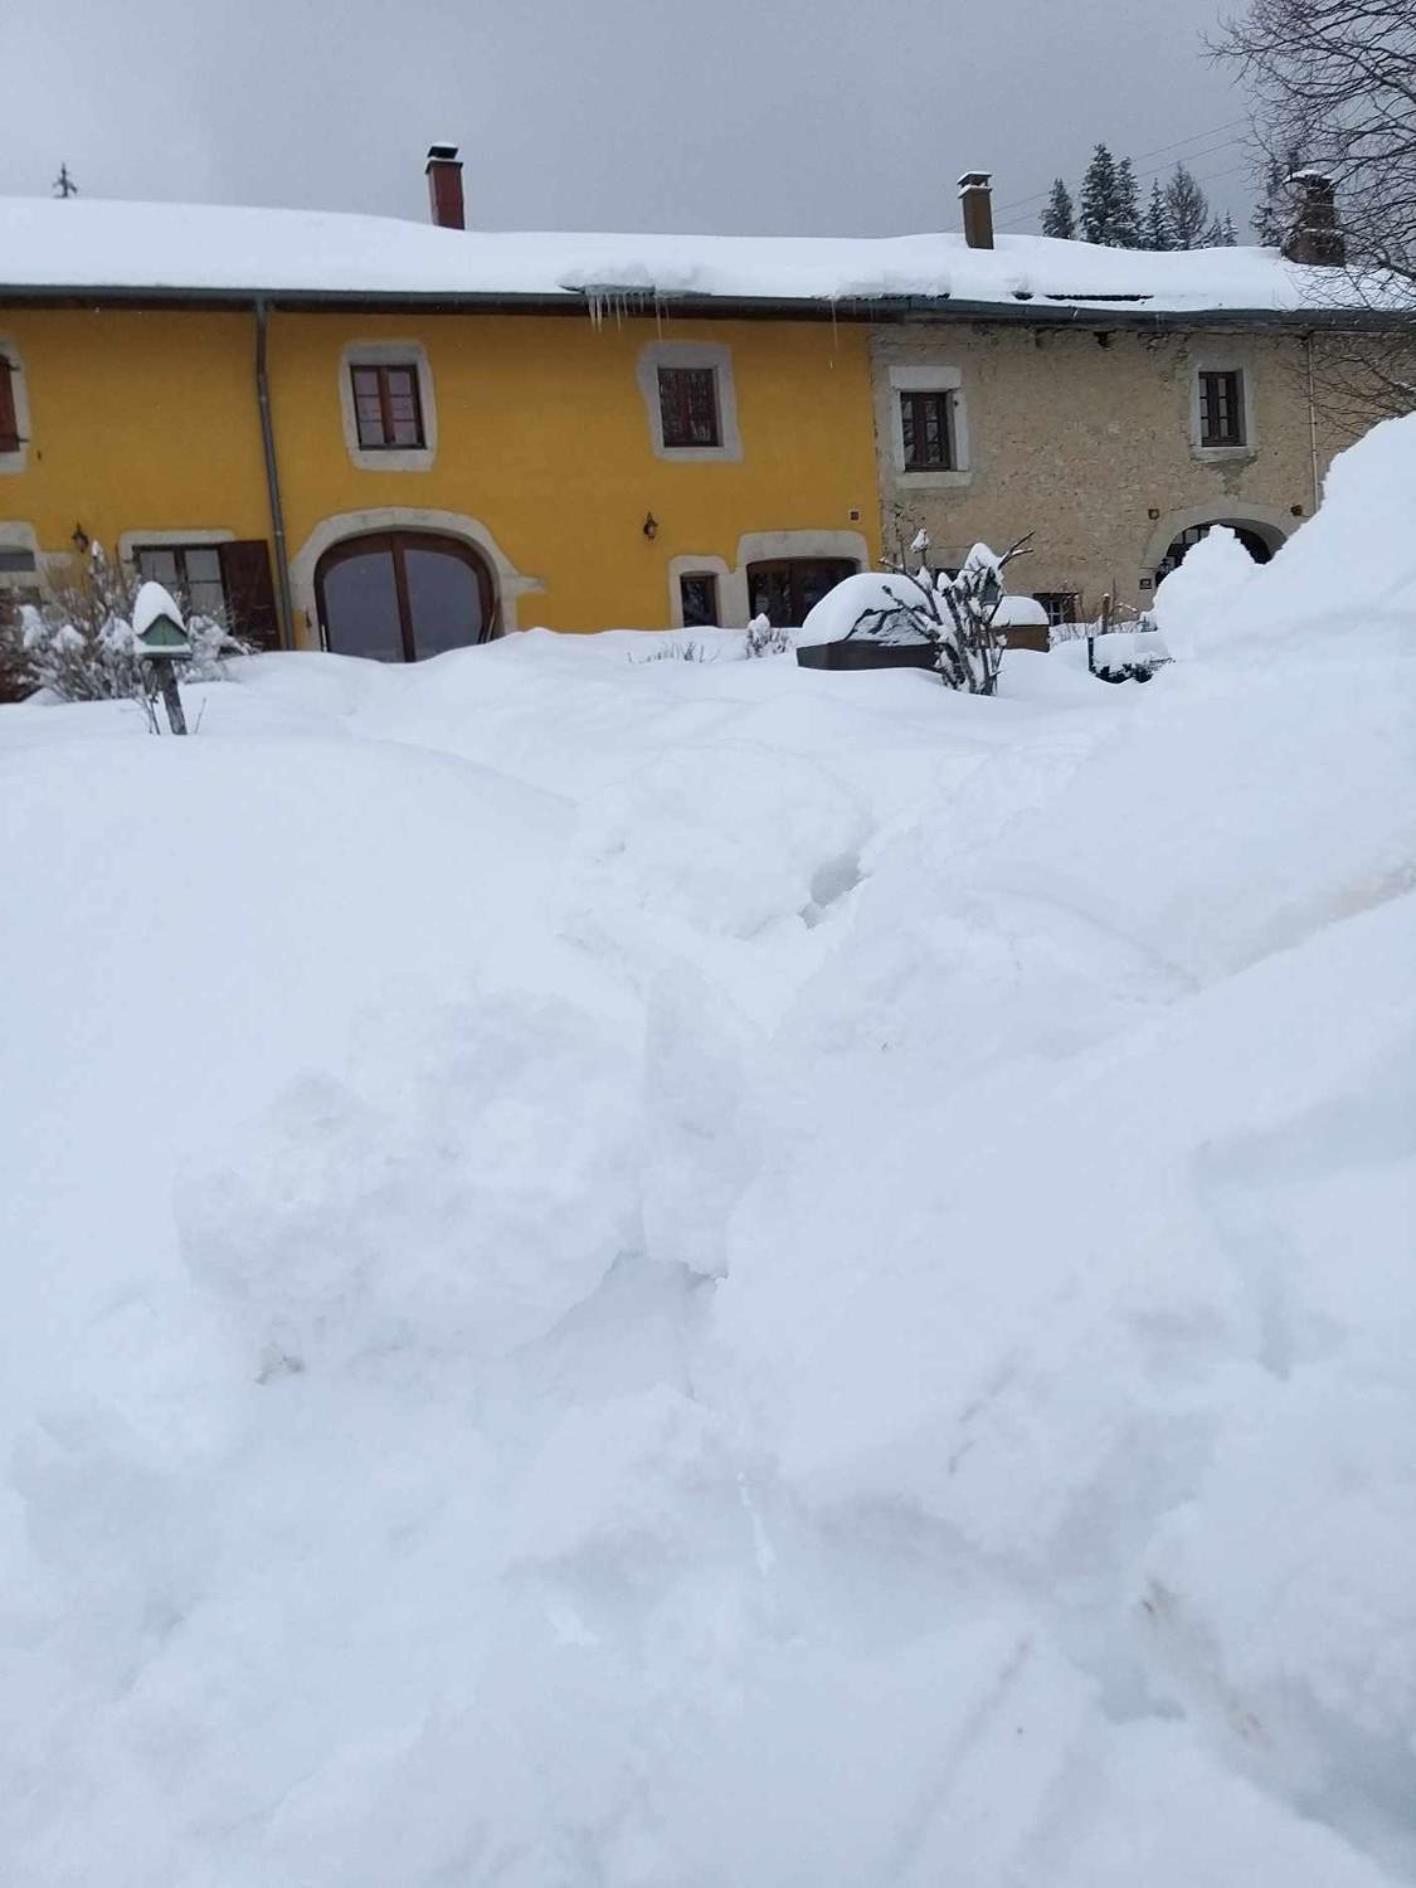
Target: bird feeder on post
{"x": 161, "y": 642}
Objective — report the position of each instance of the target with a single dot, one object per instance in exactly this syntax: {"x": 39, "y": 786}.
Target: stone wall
{"x": 1089, "y": 438}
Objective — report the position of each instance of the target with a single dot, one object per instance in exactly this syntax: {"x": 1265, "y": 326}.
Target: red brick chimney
{"x": 976, "y": 196}
{"x": 444, "y": 172}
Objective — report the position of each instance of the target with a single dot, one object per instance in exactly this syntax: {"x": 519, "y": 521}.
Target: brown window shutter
{"x": 250, "y": 595}
{"x": 9, "y": 424}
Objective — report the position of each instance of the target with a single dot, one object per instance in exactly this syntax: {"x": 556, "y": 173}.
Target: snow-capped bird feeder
{"x": 161, "y": 642}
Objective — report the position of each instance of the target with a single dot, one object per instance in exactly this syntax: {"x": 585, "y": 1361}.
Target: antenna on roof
{"x": 64, "y": 185}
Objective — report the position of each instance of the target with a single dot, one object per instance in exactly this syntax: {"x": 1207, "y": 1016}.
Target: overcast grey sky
{"x": 759, "y": 116}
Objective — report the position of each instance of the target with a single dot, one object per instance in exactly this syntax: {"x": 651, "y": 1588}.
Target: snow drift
{"x": 712, "y": 1274}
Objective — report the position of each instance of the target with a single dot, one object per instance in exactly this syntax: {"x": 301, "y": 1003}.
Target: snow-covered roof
{"x": 135, "y": 249}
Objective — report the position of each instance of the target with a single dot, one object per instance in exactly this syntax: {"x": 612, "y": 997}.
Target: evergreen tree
{"x": 64, "y": 185}
{"x": 1187, "y": 210}
{"x": 1156, "y": 231}
{"x": 1126, "y": 223}
{"x": 1098, "y": 203}
{"x": 1270, "y": 220}
{"x": 1059, "y": 218}
{"x": 1224, "y": 235}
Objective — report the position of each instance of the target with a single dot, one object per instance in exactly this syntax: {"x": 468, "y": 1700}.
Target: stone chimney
{"x": 976, "y": 196}
{"x": 444, "y": 170}
{"x": 1314, "y": 236}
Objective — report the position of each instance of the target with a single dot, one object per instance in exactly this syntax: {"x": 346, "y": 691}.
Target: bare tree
{"x": 76, "y": 638}
{"x": 1334, "y": 85}
{"x": 954, "y": 615}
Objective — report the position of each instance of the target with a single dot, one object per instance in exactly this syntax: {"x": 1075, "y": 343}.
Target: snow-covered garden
{"x": 708, "y": 1274}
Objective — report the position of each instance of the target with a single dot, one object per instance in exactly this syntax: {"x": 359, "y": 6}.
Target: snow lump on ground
{"x": 708, "y": 1273}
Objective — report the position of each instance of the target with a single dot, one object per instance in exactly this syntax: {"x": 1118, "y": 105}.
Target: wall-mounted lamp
{"x": 80, "y": 540}
{"x": 651, "y": 526}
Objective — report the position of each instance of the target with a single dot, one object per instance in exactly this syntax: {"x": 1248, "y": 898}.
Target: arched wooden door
{"x": 401, "y": 596}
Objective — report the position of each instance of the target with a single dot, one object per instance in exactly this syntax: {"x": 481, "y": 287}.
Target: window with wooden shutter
{"x": 250, "y": 594}
{"x": 229, "y": 582}
{"x": 9, "y": 408}
{"x": 927, "y": 429}
{"x": 688, "y": 407}
{"x": 388, "y": 412}
{"x": 1221, "y": 409}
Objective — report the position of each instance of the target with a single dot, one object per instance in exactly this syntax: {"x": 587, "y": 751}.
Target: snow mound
{"x": 630, "y": 1273}
{"x": 1019, "y": 613}
{"x": 1201, "y": 595}
{"x": 1362, "y": 531}
{"x": 842, "y": 607}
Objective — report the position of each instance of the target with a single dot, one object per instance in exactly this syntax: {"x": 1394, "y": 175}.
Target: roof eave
{"x": 852, "y": 308}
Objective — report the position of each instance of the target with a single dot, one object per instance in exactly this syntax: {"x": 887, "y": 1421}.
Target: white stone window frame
{"x": 130, "y": 542}
{"x": 759, "y": 547}
{"x": 25, "y": 584}
{"x": 1219, "y": 455}
{"x": 714, "y": 354}
{"x": 199, "y": 538}
{"x": 18, "y": 460}
{"x": 914, "y": 377}
{"x": 408, "y": 353}
{"x": 689, "y": 566}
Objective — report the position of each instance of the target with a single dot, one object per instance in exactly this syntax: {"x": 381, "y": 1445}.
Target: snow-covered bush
{"x": 765, "y": 639}
{"x": 77, "y": 642}
{"x": 677, "y": 652}
{"x": 956, "y": 615}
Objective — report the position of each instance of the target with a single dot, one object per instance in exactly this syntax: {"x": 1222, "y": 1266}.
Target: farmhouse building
{"x": 385, "y": 438}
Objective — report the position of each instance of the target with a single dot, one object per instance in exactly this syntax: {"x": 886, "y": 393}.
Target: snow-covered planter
{"x": 922, "y": 618}
{"x": 1021, "y": 623}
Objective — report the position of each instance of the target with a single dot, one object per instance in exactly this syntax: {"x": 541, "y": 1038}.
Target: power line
{"x": 1021, "y": 203}
{"x": 1195, "y": 137}
{"x": 1141, "y": 176}
{"x": 1216, "y": 176}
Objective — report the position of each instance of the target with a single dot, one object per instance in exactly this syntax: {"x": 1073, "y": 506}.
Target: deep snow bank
{"x": 707, "y": 1274}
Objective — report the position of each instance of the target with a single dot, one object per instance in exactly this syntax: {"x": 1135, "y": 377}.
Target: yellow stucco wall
{"x": 147, "y": 421}
{"x": 137, "y": 421}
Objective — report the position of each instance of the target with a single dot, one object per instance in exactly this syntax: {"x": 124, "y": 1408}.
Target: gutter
{"x": 284, "y": 604}
{"x": 1313, "y": 424}
{"x": 1040, "y": 312}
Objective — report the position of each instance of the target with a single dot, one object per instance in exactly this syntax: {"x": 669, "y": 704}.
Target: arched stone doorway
{"x": 1261, "y": 529}
{"x": 1255, "y": 542}
{"x": 402, "y": 596}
